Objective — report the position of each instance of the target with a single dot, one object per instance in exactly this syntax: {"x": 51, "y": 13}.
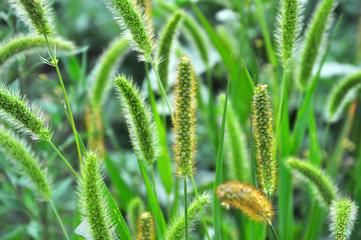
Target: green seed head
{"x": 343, "y": 94}
{"x": 314, "y": 40}
{"x": 135, "y": 208}
{"x": 343, "y": 216}
{"x": 139, "y": 120}
{"x": 177, "y": 226}
{"x": 264, "y": 139}
{"x": 289, "y": 27}
{"x": 184, "y": 119}
{"x": 24, "y": 116}
{"x": 21, "y": 157}
{"x": 165, "y": 45}
{"x": 35, "y": 14}
{"x": 146, "y": 227}
{"x": 128, "y": 14}
{"x": 91, "y": 195}
{"x": 325, "y": 189}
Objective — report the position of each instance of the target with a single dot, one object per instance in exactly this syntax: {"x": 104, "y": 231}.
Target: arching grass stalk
{"x": 54, "y": 63}
{"x": 59, "y": 219}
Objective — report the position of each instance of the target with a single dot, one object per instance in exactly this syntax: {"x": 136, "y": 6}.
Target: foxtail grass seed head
{"x": 165, "y": 45}
{"x": 24, "y": 116}
{"x": 25, "y": 45}
{"x": 135, "y": 208}
{"x": 146, "y": 227}
{"x": 343, "y": 94}
{"x": 139, "y": 120}
{"x": 107, "y": 65}
{"x": 35, "y": 14}
{"x": 264, "y": 139}
{"x": 22, "y": 158}
{"x": 177, "y": 226}
{"x": 343, "y": 216}
{"x": 314, "y": 40}
{"x": 92, "y": 199}
{"x": 289, "y": 27}
{"x": 323, "y": 186}
{"x": 239, "y": 161}
{"x": 184, "y": 118}
{"x": 129, "y": 15}
{"x": 94, "y": 127}
{"x": 248, "y": 199}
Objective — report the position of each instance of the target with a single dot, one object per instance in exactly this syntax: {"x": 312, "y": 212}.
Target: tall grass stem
{"x": 186, "y": 208}
{"x": 59, "y": 219}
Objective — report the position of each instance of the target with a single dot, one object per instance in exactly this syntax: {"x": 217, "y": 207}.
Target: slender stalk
{"x": 280, "y": 107}
{"x": 55, "y": 62}
{"x": 59, "y": 219}
{"x": 273, "y": 231}
{"x": 153, "y": 180}
{"x": 186, "y": 208}
{"x": 201, "y": 208}
{"x": 63, "y": 158}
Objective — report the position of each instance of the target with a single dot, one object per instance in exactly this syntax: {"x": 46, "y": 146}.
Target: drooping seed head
{"x": 314, "y": 40}
{"x": 343, "y": 94}
{"x": 139, "y": 120}
{"x": 135, "y": 208}
{"x": 35, "y": 14}
{"x": 264, "y": 139}
{"x": 129, "y": 15}
{"x": 184, "y": 118}
{"x": 92, "y": 199}
{"x": 248, "y": 199}
{"x": 25, "y": 160}
{"x": 325, "y": 189}
{"x": 22, "y": 115}
{"x": 289, "y": 27}
{"x": 343, "y": 214}
{"x": 146, "y": 227}
{"x": 177, "y": 226}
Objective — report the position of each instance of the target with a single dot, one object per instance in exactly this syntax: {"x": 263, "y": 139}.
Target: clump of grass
{"x": 343, "y": 213}
{"x": 35, "y": 14}
{"x": 135, "y": 208}
{"x": 264, "y": 138}
{"x": 176, "y": 229}
{"x": 146, "y": 227}
{"x": 139, "y": 120}
{"x": 165, "y": 45}
{"x": 92, "y": 199}
{"x": 24, "y": 116}
{"x": 25, "y": 160}
{"x": 248, "y": 199}
{"x": 324, "y": 187}
{"x": 128, "y": 15}
{"x": 289, "y": 28}
{"x": 342, "y": 94}
{"x": 314, "y": 39}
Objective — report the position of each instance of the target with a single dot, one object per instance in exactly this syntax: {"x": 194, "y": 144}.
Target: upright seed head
{"x": 128, "y": 14}
{"x": 314, "y": 39}
{"x": 184, "y": 118}
{"x": 324, "y": 187}
{"x": 24, "y": 116}
{"x": 264, "y": 139}
{"x": 139, "y": 120}
{"x": 146, "y": 227}
{"x": 343, "y": 213}
{"x": 92, "y": 199}
{"x": 22, "y": 158}
{"x": 248, "y": 199}
{"x": 342, "y": 94}
{"x": 289, "y": 27}
{"x": 177, "y": 226}
{"x": 135, "y": 208}
{"x": 35, "y": 14}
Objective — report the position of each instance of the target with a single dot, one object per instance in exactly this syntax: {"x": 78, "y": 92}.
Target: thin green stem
{"x": 273, "y": 230}
{"x": 63, "y": 158}
{"x": 160, "y": 84}
{"x": 55, "y": 63}
{"x": 200, "y": 207}
{"x": 153, "y": 181}
{"x": 186, "y": 208}
{"x": 59, "y": 219}
{"x": 280, "y": 107}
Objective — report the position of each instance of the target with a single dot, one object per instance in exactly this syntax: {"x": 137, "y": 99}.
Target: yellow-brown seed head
{"x": 145, "y": 227}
